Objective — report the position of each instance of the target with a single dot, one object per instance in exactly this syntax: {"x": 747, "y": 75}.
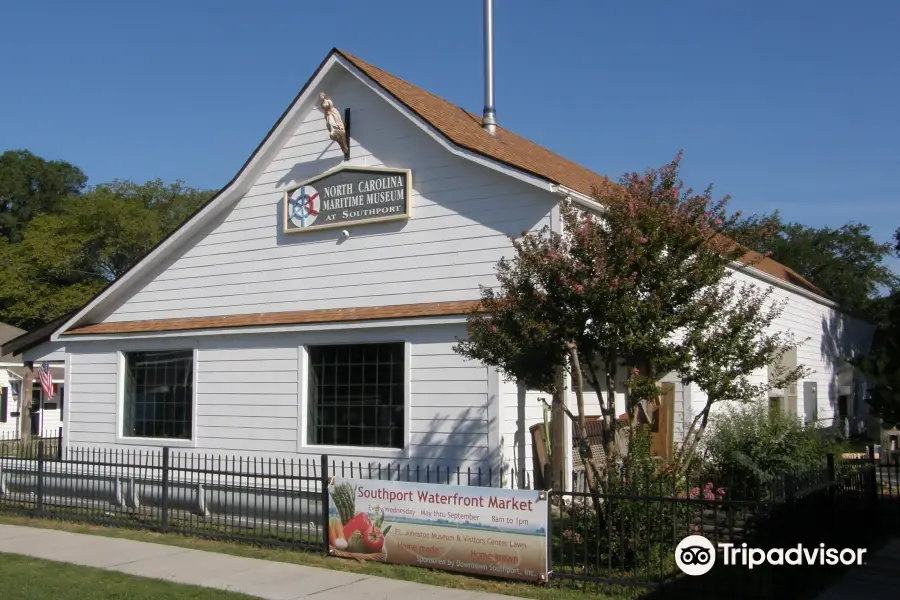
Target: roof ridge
{"x": 505, "y": 146}
{"x": 521, "y": 153}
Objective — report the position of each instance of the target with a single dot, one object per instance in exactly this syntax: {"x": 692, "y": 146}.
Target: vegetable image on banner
{"x": 485, "y": 531}
{"x": 354, "y": 534}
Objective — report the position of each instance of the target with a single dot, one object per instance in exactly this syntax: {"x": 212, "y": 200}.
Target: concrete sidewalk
{"x": 879, "y": 573}
{"x": 260, "y": 578}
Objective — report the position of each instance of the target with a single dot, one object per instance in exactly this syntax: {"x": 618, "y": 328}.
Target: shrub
{"x": 753, "y": 448}
{"x": 631, "y": 525}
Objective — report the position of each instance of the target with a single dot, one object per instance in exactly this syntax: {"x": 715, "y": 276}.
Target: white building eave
{"x": 780, "y": 283}
{"x": 269, "y": 329}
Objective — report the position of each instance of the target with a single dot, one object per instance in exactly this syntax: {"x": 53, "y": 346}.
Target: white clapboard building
{"x": 311, "y": 307}
{"x": 46, "y": 414}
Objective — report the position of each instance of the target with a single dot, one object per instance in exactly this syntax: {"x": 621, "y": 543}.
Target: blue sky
{"x": 788, "y": 105}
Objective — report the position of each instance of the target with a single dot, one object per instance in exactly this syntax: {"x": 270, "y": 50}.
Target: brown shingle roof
{"x": 464, "y": 129}
{"x": 400, "y": 311}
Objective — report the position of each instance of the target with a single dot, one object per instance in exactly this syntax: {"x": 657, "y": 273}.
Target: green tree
{"x": 882, "y": 370}
{"x": 881, "y": 366}
{"x": 845, "y": 262}
{"x": 67, "y": 257}
{"x": 31, "y": 186}
{"x": 623, "y": 299}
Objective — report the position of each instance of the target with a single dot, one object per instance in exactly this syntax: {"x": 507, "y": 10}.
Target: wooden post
{"x": 558, "y": 435}
{"x": 25, "y": 402}
{"x": 347, "y": 132}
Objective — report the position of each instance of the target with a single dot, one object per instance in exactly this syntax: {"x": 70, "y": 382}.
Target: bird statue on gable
{"x": 334, "y": 123}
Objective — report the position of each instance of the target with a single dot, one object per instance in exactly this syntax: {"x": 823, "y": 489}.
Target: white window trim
{"x": 304, "y": 447}
{"x": 120, "y": 409}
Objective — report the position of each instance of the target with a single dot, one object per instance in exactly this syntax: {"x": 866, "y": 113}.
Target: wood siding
{"x": 461, "y": 221}
{"x": 248, "y": 394}
{"x": 520, "y": 410}
{"x": 828, "y": 336}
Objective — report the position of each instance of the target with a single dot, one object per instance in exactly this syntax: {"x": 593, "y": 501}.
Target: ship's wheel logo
{"x": 304, "y": 206}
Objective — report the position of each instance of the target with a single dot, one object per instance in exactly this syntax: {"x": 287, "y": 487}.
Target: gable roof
{"x": 464, "y": 129}
{"x": 7, "y": 333}
{"x": 16, "y": 345}
{"x": 459, "y": 127}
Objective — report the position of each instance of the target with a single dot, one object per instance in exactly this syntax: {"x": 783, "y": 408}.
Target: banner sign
{"x": 486, "y": 531}
{"x": 347, "y": 196}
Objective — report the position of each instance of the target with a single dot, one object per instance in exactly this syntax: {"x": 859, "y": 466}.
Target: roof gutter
{"x": 576, "y": 197}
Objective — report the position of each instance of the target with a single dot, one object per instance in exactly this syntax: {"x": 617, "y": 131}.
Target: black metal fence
{"x": 261, "y": 500}
{"x": 13, "y": 445}
{"x": 629, "y": 535}
{"x": 623, "y": 539}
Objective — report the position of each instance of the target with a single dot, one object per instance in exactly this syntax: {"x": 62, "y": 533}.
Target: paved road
{"x": 260, "y": 578}
{"x": 878, "y": 578}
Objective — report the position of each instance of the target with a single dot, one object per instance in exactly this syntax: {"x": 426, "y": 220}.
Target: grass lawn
{"x": 311, "y": 559}
{"x": 23, "y": 578}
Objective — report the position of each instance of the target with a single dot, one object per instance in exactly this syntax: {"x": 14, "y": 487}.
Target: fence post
{"x": 872, "y": 483}
{"x": 835, "y": 503}
{"x": 548, "y": 537}
{"x": 164, "y": 518}
{"x": 325, "y": 501}
{"x": 40, "y": 478}
{"x": 59, "y": 444}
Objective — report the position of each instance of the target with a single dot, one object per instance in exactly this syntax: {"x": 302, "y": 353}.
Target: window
{"x": 158, "y": 395}
{"x": 843, "y": 404}
{"x": 4, "y": 404}
{"x": 356, "y": 395}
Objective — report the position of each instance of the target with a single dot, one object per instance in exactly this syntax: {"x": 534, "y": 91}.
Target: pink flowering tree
{"x": 620, "y": 298}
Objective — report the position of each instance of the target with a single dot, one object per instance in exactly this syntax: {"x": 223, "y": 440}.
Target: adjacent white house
{"x": 311, "y": 307}
{"x": 46, "y": 416}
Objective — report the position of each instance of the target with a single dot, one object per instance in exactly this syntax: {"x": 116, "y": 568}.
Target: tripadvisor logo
{"x": 696, "y": 555}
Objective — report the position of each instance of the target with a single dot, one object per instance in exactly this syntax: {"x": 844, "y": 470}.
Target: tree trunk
{"x": 558, "y": 434}
{"x": 579, "y": 425}
{"x": 692, "y": 437}
{"x": 25, "y": 403}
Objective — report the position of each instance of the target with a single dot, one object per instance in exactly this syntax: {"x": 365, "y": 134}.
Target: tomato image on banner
{"x": 354, "y": 534}
{"x": 469, "y": 529}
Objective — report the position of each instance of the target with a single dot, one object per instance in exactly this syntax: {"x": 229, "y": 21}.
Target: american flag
{"x": 46, "y": 379}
